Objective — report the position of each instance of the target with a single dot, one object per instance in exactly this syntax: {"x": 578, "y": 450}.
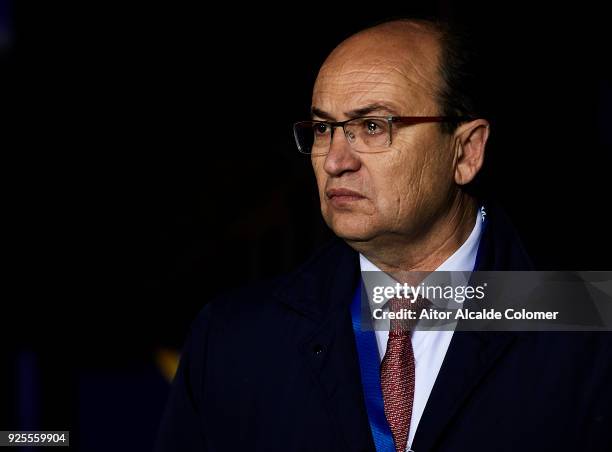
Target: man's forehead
{"x": 360, "y": 85}
{"x": 366, "y": 70}
{"x": 352, "y": 85}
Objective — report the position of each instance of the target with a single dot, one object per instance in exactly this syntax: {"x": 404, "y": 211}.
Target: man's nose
{"x": 341, "y": 157}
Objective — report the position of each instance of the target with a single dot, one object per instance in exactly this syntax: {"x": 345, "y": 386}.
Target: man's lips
{"x": 343, "y": 195}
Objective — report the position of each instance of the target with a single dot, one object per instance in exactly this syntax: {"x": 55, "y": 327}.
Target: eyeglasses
{"x": 367, "y": 134}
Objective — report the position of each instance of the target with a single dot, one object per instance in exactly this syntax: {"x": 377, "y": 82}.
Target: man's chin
{"x": 352, "y": 230}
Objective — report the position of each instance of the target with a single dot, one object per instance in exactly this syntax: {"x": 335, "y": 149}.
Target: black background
{"x": 150, "y": 162}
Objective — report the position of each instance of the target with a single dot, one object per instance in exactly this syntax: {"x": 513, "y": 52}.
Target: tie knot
{"x": 406, "y": 313}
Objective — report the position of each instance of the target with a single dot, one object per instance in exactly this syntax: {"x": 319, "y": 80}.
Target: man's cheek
{"x": 386, "y": 204}
{"x": 321, "y": 179}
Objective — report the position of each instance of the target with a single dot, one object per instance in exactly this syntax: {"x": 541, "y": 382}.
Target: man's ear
{"x": 471, "y": 141}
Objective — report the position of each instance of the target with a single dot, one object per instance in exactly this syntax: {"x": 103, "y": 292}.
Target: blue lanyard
{"x": 369, "y": 363}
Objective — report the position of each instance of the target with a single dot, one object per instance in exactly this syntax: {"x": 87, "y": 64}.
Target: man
{"x": 280, "y": 367}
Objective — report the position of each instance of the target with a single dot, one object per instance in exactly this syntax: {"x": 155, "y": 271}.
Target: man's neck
{"x": 429, "y": 250}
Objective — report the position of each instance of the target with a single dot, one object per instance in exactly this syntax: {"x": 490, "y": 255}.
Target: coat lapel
{"x": 472, "y": 354}
{"x": 323, "y": 292}
{"x": 332, "y": 358}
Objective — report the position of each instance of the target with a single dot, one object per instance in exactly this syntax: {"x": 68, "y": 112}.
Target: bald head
{"x": 406, "y": 53}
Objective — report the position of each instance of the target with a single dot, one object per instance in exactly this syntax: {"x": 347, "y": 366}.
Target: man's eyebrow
{"x": 363, "y": 111}
{"x": 321, "y": 114}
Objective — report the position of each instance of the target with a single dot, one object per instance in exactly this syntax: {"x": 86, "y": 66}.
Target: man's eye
{"x": 320, "y": 129}
{"x": 372, "y": 127}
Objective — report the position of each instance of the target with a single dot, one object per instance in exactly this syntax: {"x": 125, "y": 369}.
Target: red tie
{"x": 397, "y": 372}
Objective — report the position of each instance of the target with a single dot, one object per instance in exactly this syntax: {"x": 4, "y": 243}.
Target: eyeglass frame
{"x": 407, "y": 120}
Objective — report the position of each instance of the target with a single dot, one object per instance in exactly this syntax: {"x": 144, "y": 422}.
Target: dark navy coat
{"x": 275, "y": 368}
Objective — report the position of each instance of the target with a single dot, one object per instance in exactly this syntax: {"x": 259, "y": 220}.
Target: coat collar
{"x": 325, "y": 283}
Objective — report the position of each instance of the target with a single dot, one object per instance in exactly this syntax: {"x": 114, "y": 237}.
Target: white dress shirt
{"x": 430, "y": 346}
